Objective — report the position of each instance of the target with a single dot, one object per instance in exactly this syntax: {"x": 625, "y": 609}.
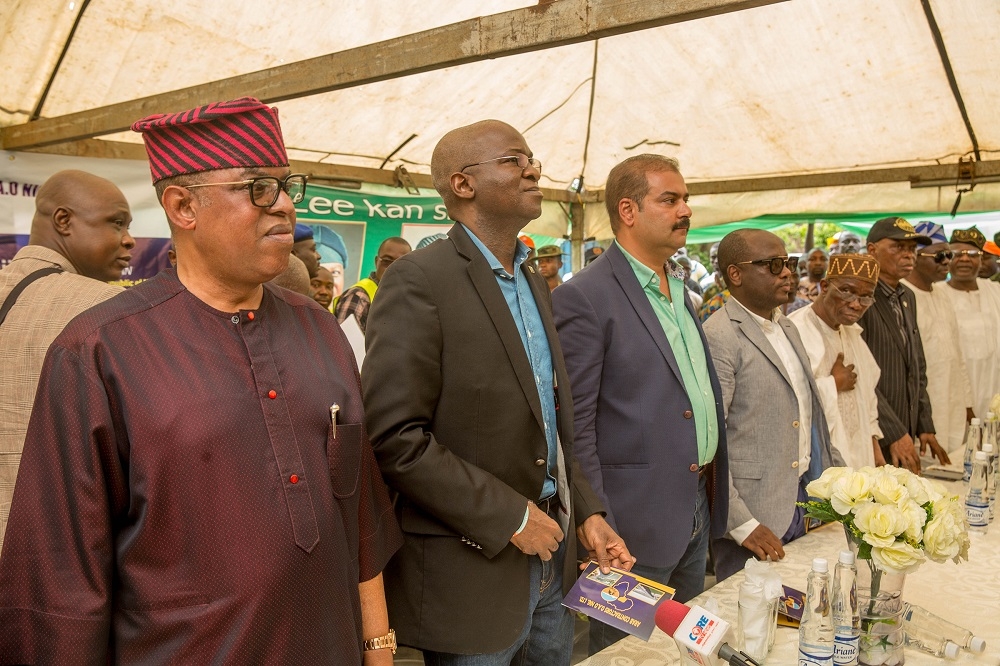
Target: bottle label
{"x": 845, "y": 650}
{"x": 815, "y": 656}
{"x": 976, "y": 514}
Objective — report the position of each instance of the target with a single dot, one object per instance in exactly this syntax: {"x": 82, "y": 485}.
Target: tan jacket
{"x": 40, "y": 314}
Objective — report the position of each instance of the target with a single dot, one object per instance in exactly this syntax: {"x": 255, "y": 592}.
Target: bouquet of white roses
{"x": 898, "y": 519}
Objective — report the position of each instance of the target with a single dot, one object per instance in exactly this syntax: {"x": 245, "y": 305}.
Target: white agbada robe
{"x": 947, "y": 379}
{"x": 852, "y": 416}
{"x": 978, "y": 315}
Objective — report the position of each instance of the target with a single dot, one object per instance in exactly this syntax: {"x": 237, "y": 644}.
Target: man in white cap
{"x": 947, "y": 379}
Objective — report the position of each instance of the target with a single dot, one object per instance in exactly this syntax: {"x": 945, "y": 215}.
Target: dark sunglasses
{"x": 775, "y": 264}
{"x": 940, "y": 257}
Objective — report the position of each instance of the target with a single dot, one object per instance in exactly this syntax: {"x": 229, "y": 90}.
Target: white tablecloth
{"x": 967, "y": 594}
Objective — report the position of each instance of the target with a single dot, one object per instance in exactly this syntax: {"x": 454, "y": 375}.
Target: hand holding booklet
{"x": 618, "y": 598}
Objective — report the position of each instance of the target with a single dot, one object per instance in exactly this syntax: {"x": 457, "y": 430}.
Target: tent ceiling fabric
{"x": 791, "y": 88}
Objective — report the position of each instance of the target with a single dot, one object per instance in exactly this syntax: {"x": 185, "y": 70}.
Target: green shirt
{"x": 685, "y": 341}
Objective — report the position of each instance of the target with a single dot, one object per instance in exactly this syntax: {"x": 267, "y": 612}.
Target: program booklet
{"x": 619, "y": 599}
{"x": 790, "y": 607}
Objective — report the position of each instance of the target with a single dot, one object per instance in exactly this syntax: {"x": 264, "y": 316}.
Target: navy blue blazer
{"x": 634, "y": 435}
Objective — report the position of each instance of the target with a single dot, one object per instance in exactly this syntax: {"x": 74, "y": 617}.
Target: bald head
{"x": 458, "y": 148}
{"x": 295, "y": 277}
{"x": 465, "y": 173}
{"x": 737, "y": 246}
{"x": 85, "y": 218}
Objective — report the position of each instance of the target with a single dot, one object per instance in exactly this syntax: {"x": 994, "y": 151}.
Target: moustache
{"x": 683, "y": 223}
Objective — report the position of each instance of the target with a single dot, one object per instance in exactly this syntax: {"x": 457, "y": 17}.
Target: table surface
{"x": 967, "y": 594}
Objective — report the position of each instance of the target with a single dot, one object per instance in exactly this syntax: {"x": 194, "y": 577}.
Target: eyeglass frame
{"x": 939, "y": 256}
{"x": 789, "y": 262}
{"x": 533, "y": 162}
{"x": 971, "y": 254}
{"x": 849, "y": 297}
{"x": 249, "y": 183}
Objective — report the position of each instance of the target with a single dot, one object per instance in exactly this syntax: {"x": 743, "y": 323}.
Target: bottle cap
{"x": 975, "y": 421}
{"x": 819, "y": 564}
{"x": 951, "y": 650}
{"x": 977, "y": 644}
{"x": 846, "y": 557}
{"x": 980, "y": 455}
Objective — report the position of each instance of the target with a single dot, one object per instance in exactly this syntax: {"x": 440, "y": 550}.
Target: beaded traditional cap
{"x": 222, "y": 135}
{"x": 972, "y": 236}
{"x": 860, "y": 266}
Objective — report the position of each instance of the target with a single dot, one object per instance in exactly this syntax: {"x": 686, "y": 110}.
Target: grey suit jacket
{"x": 762, "y": 419}
{"x": 634, "y": 432}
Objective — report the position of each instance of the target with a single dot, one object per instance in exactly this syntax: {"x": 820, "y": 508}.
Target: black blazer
{"x": 456, "y": 424}
{"x": 903, "y": 404}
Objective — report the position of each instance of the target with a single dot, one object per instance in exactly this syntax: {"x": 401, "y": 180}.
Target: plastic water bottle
{"x": 816, "y": 629}
{"x": 927, "y": 622}
{"x": 991, "y": 479}
{"x": 977, "y": 504}
{"x": 972, "y": 442}
{"x": 932, "y": 644}
{"x": 846, "y": 615}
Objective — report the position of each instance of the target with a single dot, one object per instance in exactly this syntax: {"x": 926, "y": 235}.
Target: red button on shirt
{"x": 272, "y": 394}
{"x": 294, "y": 478}
{"x": 250, "y": 316}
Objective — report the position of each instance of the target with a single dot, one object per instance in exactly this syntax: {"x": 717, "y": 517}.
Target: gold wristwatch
{"x": 382, "y": 642}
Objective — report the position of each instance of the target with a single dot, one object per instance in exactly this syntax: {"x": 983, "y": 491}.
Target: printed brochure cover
{"x": 790, "y": 607}
{"x": 619, "y": 599}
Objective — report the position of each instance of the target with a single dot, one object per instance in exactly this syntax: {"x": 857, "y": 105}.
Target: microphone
{"x": 699, "y": 635}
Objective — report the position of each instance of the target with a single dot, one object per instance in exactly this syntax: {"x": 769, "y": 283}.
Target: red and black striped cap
{"x": 221, "y": 135}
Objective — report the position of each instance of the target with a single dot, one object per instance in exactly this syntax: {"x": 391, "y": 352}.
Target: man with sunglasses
{"x": 948, "y": 384}
{"x": 197, "y": 485}
{"x": 356, "y": 301}
{"x": 470, "y": 413}
{"x": 977, "y": 307}
{"x": 842, "y": 365}
{"x": 775, "y": 427}
{"x": 890, "y": 329}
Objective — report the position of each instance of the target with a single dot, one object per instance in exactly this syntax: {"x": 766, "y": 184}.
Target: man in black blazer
{"x": 890, "y": 329}
{"x": 468, "y": 407}
{"x": 650, "y": 430}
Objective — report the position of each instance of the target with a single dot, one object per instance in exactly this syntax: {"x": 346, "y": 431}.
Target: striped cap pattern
{"x": 861, "y": 266}
{"x": 222, "y": 135}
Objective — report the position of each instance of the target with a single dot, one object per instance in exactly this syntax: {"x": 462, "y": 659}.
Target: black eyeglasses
{"x": 940, "y": 257}
{"x": 264, "y": 191}
{"x": 775, "y": 264}
{"x": 848, "y": 297}
{"x": 522, "y": 161}
{"x": 971, "y": 254}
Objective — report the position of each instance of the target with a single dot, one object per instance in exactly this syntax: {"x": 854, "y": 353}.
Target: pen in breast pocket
{"x": 334, "y": 409}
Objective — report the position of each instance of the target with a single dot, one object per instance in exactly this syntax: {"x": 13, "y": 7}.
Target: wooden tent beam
{"x": 546, "y": 25}
{"x": 943, "y": 174}
{"x": 320, "y": 172}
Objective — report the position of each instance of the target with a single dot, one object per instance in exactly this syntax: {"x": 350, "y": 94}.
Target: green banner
{"x": 350, "y": 225}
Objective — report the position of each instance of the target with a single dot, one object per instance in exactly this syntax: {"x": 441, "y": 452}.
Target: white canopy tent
{"x": 808, "y": 107}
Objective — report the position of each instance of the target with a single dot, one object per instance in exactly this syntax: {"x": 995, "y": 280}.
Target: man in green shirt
{"x": 649, "y": 426}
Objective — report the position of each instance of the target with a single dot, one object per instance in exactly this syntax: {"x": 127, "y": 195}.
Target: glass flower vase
{"x": 880, "y": 601}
